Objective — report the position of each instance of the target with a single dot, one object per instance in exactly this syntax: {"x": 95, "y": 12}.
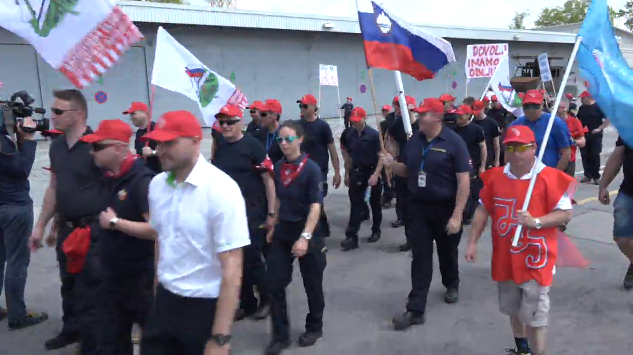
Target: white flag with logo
{"x": 80, "y": 38}
{"x": 506, "y": 95}
{"x": 177, "y": 70}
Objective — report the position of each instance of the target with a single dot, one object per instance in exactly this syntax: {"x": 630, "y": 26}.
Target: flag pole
{"x": 550, "y": 123}
{"x": 404, "y": 110}
{"x": 370, "y": 73}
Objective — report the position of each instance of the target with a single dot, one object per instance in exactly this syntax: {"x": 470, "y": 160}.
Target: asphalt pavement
{"x": 365, "y": 288}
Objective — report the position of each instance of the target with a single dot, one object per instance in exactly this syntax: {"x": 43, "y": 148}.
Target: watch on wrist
{"x": 271, "y": 214}
{"x": 113, "y": 222}
{"x": 538, "y": 223}
{"x": 221, "y": 339}
{"x": 306, "y": 235}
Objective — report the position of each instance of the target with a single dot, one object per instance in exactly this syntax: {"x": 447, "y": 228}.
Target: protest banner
{"x": 328, "y": 76}
{"x": 482, "y": 59}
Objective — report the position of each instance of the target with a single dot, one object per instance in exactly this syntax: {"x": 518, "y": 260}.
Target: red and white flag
{"x": 80, "y": 38}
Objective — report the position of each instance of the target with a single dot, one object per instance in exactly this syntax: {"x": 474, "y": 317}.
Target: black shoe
{"x": 468, "y": 222}
{"x": 374, "y": 237}
{"x": 61, "y": 341}
{"x": 407, "y": 319}
{"x": 627, "y": 285}
{"x": 349, "y": 244}
{"x": 277, "y": 347}
{"x": 310, "y": 338}
{"x": 262, "y": 312}
{"x": 452, "y": 295}
{"x": 241, "y": 314}
{"x": 405, "y": 247}
{"x": 31, "y": 319}
{"x": 3, "y": 314}
{"x": 397, "y": 224}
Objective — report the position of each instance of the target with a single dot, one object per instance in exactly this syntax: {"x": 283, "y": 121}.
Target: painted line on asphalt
{"x": 593, "y": 199}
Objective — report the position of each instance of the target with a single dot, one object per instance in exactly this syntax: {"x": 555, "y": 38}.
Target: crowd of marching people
{"x": 183, "y": 247}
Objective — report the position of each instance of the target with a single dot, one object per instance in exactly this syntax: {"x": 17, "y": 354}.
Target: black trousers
{"x": 69, "y": 313}
{"x": 126, "y": 301}
{"x": 473, "y": 200}
{"x": 312, "y": 265}
{"x": 591, "y": 155}
{"x": 402, "y": 195}
{"x": 324, "y": 225}
{"x": 178, "y": 325}
{"x": 254, "y": 268}
{"x": 429, "y": 225}
{"x": 357, "y": 189}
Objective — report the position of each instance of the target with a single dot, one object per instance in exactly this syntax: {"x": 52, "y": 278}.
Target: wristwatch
{"x": 113, "y": 222}
{"x": 221, "y": 339}
{"x": 306, "y": 235}
{"x": 538, "y": 223}
{"x": 271, "y": 214}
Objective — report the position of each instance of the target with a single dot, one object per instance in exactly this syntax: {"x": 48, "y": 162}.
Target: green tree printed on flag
{"x": 56, "y": 12}
{"x": 517, "y": 102}
{"x": 209, "y": 89}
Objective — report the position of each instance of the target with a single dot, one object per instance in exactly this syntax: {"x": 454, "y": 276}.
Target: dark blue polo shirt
{"x": 446, "y": 156}
{"x": 318, "y": 135}
{"x": 123, "y": 255}
{"x": 363, "y": 147}
{"x": 296, "y": 198}
{"x": 241, "y": 160}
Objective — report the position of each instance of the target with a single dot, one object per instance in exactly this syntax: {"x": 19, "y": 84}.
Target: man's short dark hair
{"x": 75, "y": 97}
{"x": 469, "y": 101}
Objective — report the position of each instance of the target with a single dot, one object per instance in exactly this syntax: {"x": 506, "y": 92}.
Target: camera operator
{"x": 16, "y": 219}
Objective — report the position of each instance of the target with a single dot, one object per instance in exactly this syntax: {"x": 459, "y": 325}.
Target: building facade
{"x": 268, "y": 55}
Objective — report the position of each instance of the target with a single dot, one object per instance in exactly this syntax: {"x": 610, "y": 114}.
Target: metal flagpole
{"x": 404, "y": 110}
{"x": 550, "y": 123}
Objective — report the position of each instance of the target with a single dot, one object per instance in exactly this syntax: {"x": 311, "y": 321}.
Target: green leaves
{"x": 56, "y": 12}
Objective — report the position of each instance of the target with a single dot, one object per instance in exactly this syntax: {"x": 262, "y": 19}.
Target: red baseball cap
{"x": 358, "y": 114}
{"x": 256, "y": 105}
{"x": 486, "y": 99}
{"x": 271, "y": 105}
{"x": 387, "y": 108}
{"x": 349, "y": 98}
{"x": 447, "y": 98}
{"x": 115, "y": 130}
{"x": 519, "y": 134}
{"x": 494, "y": 98}
{"x": 308, "y": 99}
{"x": 569, "y": 96}
{"x": 464, "y": 110}
{"x": 410, "y": 100}
{"x": 431, "y": 105}
{"x": 533, "y": 97}
{"x": 136, "y": 106}
{"x": 229, "y": 110}
{"x": 585, "y": 94}
{"x": 478, "y": 106}
{"x": 175, "y": 124}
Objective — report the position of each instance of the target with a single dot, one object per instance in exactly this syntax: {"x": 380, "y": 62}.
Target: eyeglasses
{"x": 97, "y": 147}
{"x": 288, "y": 139}
{"x": 532, "y": 107}
{"x": 263, "y": 114}
{"x": 253, "y": 111}
{"x": 59, "y": 111}
{"x": 518, "y": 148}
{"x": 227, "y": 122}
{"x": 304, "y": 106}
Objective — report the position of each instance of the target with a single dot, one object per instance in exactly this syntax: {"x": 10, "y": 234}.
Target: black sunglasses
{"x": 97, "y": 147}
{"x": 304, "y": 106}
{"x": 58, "y": 111}
{"x": 253, "y": 111}
{"x": 228, "y": 122}
{"x": 532, "y": 107}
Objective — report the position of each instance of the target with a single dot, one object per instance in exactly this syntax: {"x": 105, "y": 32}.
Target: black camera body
{"x": 18, "y": 108}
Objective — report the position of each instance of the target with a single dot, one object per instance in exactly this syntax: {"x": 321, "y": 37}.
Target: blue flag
{"x": 601, "y": 64}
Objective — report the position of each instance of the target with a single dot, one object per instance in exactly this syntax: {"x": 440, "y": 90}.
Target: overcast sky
{"x": 475, "y": 13}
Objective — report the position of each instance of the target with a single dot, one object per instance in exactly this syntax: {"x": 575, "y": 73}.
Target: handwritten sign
{"x": 482, "y": 59}
{"x": 328, "y": 75}
{"x": 543, "y": 65}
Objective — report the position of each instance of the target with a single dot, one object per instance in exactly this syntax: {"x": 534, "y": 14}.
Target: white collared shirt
{"x": 195, "y": 220}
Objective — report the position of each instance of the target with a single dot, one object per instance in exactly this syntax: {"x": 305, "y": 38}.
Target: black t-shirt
{"x": 499, "y": 115}
{"x": 152, "y": 162}
{"x": 242, "y": 161}
{"x": 397, "y": 132}
{"x": 306, "y": 189}
{"x": 627, "y": 168}
{"x": 318, "y": 135}
{"x": 387, "y": 123}
{"x": 269, "y": 141}
{"x": 473, "y": 135}
{"x": 491, "y": 131}
{"x": 81, "y": 190}
{"x": 590, "y": 116}
{"x": 123, "y": 255}
{"x": 253, "y": 128}
{"x": 348, "y": 109}
{"x": 363, "y": 147}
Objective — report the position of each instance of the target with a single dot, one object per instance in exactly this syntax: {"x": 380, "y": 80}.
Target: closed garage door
{"x": 107, "y": 99}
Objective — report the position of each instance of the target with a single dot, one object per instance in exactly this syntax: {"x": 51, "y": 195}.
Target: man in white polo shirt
{"x": 199, "y": 215}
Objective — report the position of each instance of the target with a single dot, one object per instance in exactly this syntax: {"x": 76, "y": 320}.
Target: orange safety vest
{"x": 535, "y": 255}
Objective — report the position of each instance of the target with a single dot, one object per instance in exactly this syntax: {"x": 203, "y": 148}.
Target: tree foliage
{"x": 518, "y": 21}
{"x": 572, "y": 11}
{"x": 231, "y": 4}
{"x": 627, "y": 15}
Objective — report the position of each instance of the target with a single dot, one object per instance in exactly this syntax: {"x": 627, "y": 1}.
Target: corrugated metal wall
{"x": 263, "y": 63}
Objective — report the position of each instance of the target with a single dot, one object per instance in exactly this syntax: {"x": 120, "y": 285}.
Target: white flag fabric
{"x": 80, "y": 38}
{"x": 177, "y": 70}
{"x": 506, "y": 95}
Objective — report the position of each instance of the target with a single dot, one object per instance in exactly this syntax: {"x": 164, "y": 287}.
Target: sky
{"x": 472, "y": 13}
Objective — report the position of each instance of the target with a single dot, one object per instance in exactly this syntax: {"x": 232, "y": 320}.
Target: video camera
{"x": 18, "y": 108}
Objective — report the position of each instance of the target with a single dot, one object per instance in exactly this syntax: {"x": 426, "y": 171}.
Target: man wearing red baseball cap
{"x": 491, "y": 132}
{"x": 199, "y": 216}
{"x": 592, "y": 117}
{"x": 126, "y": 239}
{"x": 577, "y": 132}
{"x": 347, "y": 111}
{"x": 449, "y": 102}
{"x": 524, "y": 274}
{"x": 270, "y": 113}
{"x": 557, "y": 151}
{"x": 437, "y": 168}
{"x": 140, "y": 117}
{"x": 319, "y": 145}
{"x": 255, "y": 125}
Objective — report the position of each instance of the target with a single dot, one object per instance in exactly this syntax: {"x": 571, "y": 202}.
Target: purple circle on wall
{"x": 101, "y": 97}
{"x": 454, "y": 85}
{"x": 363, "y": 88}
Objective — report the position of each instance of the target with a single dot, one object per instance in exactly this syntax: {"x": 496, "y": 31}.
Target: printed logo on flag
{"x": 384, "y": 23}
{"x": 46, "y": 19}
{"x": 205, "y": 82}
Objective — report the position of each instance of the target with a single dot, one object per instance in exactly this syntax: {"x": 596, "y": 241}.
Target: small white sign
{"x": 328, "y": 75}
{"x": 543, "y": 65}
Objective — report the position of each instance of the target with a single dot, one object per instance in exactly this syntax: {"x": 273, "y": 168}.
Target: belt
{"x": 80, "y": 222}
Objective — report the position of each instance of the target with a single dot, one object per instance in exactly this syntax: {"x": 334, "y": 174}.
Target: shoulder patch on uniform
{"x": 123, "y": 195}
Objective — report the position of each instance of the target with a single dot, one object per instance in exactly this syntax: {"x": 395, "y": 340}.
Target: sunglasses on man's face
{"x": 59, "y": 111}
{"x": 227, "y": 122}
{"x": 253, "y": 112}
{"x": 288, "y": 139}
{"x": 518, "y": 148}
{"x": 97, "y": 147}
{"x": 532, "y": 107}
{"x": 303, "y": 106}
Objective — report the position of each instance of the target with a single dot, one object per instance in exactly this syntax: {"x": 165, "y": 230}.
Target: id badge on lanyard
{"x": 422, "y": 173}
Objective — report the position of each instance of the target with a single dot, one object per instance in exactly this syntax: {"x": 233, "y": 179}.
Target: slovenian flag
{"x": 393, "y": 44}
